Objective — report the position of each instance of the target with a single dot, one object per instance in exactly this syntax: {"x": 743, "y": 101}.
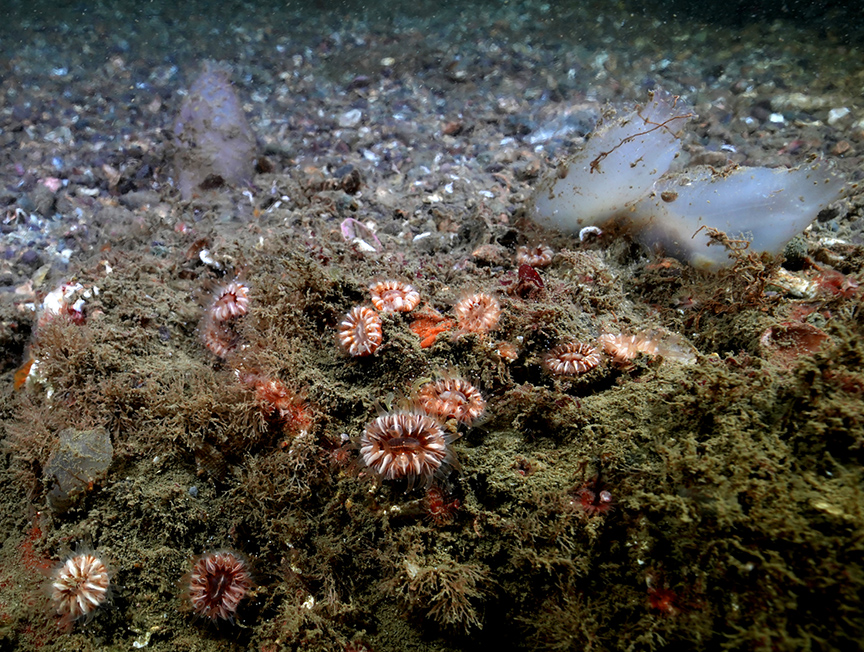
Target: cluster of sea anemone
{"x": 414, "y": 444}
{"x": 576, "y": 358}
{"x": 213, "y": 588}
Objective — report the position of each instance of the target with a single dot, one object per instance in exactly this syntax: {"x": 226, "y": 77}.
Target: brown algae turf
{"x": 722, "y": 472}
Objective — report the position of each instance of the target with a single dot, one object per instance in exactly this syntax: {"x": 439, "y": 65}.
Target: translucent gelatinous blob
{"x": 767, "y": 207}
{"x": 618, "y": 165}
{"x": 214, "y": 142}
{"x": 620, "y": 175}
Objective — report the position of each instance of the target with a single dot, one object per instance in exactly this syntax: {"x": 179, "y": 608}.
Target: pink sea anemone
{"x": 407, "y": 445}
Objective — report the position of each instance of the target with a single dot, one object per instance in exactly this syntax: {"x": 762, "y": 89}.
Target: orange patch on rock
{"x": 428, "y": 324}
{"x": 21, "y": 374}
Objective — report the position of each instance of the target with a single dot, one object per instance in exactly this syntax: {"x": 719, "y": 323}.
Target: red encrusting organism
{"x": 660, "y": 597}
{"x": 830, "y": 282}
{"x": 280, "y": 405}
{"x": 593, "y": 498}
{"x": 61, "y": 302}
{"x": 529, "y": 284}
{"x": 428, "y": 324}
{"x": 528, "y": 274}
{"x": 357, "y": 646}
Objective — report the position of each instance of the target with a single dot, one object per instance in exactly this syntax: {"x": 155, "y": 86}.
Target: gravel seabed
{"x": 407, "y": 138}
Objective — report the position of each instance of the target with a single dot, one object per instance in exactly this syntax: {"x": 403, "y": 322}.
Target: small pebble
{"x": 837, "y": 115}
{"x": 350, "y": 119}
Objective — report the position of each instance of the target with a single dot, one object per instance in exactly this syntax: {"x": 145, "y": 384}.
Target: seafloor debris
{"x": 82, "y": 458}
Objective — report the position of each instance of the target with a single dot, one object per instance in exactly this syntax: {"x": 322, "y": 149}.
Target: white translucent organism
{"x": 618, "y": 165}
{"x": 620, "y": 175}
{"x": 766, "y": 206}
